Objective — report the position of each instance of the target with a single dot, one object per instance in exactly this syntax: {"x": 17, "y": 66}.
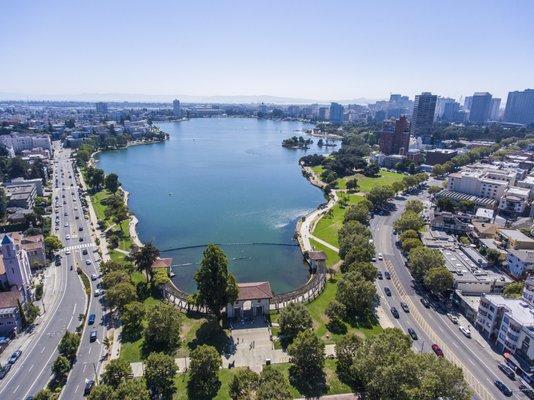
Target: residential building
{"x": 423, "y": 115}
{"x": 520, "y": 107}
{"x": 336, "y": 113}
{"x": 484, "y": 230}
{"x": 101, "y": 108}
{"x": 515, "y": 200}
{"x": 19, "y": 142}
{"x": 22, "y": 196}
{"x": 439, "y": 156}
{"x": 395, "y": 137}
{"x": 253, "y": 300}
{"x": 451, "y": 112}
{"x": 510, "y": 323}
{"x": 176, "y": 108}
{"x": 520, "y": 262}
{"x": 483, "y": 183}
{"x": 515, "y": 239}
{"x": 322, "y": 114}
{"x": 480, "y": 107}
{"x": 467, "y": 103}
{"x": 495, "y": 109}
{"x": 10, "y": 319}
{"x": 16, "y": 182}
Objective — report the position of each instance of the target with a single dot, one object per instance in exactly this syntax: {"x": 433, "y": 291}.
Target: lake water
{"x": 221, "y": 180}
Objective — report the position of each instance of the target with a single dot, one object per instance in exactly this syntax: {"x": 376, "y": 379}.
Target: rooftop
{"x": 254, "y": 291}
{"x": 9, "y": 299}
{"x": 519, "y": 309}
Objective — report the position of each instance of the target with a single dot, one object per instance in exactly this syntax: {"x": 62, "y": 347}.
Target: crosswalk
{"x": 77, "y": 247}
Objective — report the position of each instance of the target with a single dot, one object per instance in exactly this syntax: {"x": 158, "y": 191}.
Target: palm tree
{"x": 144, "y": 258}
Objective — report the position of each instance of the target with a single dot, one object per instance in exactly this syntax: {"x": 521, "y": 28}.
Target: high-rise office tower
{"x": 451, "y": 112}
{"x": 495, "y": 109}
{"x": 395, "y": 137}
{"x": 423, "y": 115}
{"x": 336, "y": 113}
{"x": 101, "y": 107}
{"x": 479, "y": 112}
{"x": 176, "y": 108}
{"x": 520, "y": 107}
{"x": 467, "y": 103}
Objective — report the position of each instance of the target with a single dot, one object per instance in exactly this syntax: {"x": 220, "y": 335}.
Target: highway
{"x": 432, "y": 325}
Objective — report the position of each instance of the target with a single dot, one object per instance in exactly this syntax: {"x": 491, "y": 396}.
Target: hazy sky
{"x": 309, "y": 49}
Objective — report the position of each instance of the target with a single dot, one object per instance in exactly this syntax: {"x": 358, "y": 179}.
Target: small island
{"x": 295, "y": 142}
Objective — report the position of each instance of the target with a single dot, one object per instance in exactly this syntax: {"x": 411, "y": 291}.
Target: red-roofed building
{"x": 253, "y": 300}
{"x": 163, "y": 263}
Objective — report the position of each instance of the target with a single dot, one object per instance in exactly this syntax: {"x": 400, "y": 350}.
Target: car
{"x": 387, "y": 275}
{"x": 380, "y": 257}
{"x": 373, "y": 259}
{"x": 66, "y": 224}
{"x": 15, "y": 356}
{"x": 57, "y": 263}
{"x": 67, "y": 237}
{"x": 387, "y": 291}
{"x": 94, "y": 277}
{"x": 404, "y": 306}
{"x": 89, "y": 383}
{"x": 67, "y": 252}
{"x": 56, "y": 228}
{"x": 80, "y": 239}
{"x": 394, "y": 312}
{"x": 425, "y": 302}
{"x": 437, "y": 350}
{"x": 503, "y": 388}
{"x": 98, "y": 292}
{"x": 80, "y": 229}
{"x": 92, "y": 336}
{"x": 453, "y": 318}
{"x": 65, "y": 214}
{"x": 91, "y": 319}
{"x": 87, "y": 262}
{"x": 465, "y": 331}
{"x": 379, "y": 275}
{"x": 4, "y": 370}
{"x": 412, "y": 333}
{"x": 509, "y": 372}
{"x": 84, "y": 252}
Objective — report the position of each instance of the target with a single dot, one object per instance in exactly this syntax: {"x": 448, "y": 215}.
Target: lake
{"x": 226, "y": 181}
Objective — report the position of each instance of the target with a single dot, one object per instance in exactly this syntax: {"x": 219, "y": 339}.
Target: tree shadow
{"x": 311, "y": 383}
{"x": 211, "y": 333}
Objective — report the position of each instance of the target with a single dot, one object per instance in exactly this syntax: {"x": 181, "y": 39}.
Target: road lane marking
{"x": 42, "y": 351}
{"x": 17, "y": 388}
{"x": 29, "y": 369}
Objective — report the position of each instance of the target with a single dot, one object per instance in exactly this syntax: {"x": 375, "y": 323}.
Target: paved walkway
{"x": 326, "y": 244}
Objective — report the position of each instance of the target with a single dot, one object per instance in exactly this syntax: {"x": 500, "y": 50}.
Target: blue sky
{"x": 308, "y": 49}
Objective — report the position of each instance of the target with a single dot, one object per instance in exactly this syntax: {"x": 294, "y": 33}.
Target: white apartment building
{"x": 510, "y": 322}
{"x": 514, "y": 200}
{"x": 520, "y": 262}
{"x": 19, "y": 142}
{"x": 477, "y": 183}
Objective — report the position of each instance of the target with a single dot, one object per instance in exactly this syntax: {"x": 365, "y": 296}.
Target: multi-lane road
{"x": 432, "y": 325}
{"x": 32, "y": 371}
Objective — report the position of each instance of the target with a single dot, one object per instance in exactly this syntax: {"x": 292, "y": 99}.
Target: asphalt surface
{"x": 432, "y": 323}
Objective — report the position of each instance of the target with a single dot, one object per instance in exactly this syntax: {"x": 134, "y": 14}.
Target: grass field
{"x": 334, "y": 386}
{"x": 331, "y": 256}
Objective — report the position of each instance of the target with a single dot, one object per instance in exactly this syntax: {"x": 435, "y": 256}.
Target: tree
{"x": 293, "y": 319}
{"x": 3, "y": 203}
{"x": 409, "y": 220}
{"x": 112, "y": 183}
{"x": 307, "y": 359}
{"x": 434, "y": 189}
{"x": 18, "y": 168}
{"x": 397, "y": 186}
{"x": 44, "y": 394}
{"x": 68, "y": 346}
{"x": 336, "y": 313}
{"x": 132, "y": 389}
{"x": 439, "y": 280}
{"x": 514, "y": 289}
{"x": 352, "y": 184}
{"x": 493, "y": 256}
{"x": 371, "y": 169}
{"x": 357, "y": 212}
{"x": 96, "y": 179}
{"x": 408, "y": 234}
{"x": 353, "y": 228}
{"x": 414, "y": 205}
{"x": 204, "y": 367}
{"x": 356, "y": 293}
{"x": 422, "y": 259}
{"x": 163, "y": 328}
{"x": 132, "y": 317}
{"x": 114, "y": 278}
{"x": 102, "y": 392}
{"x": 60, "y": 369}
{"x": 356, "y": 248}
{"x": 216, "y": 286}
{"x": 52, "y": 243}
{"x": 144, "y": 258}
{"x": 365, "y": 269}
{"x": 120, "y": 295}
{"x": 273, "y": 385}
{"x": 410, "y": 243}
{"x": 244, "y": 384}
{"x": 160, "y": 370}
{"x": 117, "y": 371}
{"x": 346, "y": 350}
{"x": 379, "y": 196}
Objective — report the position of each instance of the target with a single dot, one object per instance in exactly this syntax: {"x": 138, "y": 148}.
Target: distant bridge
{"x": 231, "y": 244}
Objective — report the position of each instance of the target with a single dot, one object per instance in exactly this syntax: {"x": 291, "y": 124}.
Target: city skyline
{"x": 322, "y": 52}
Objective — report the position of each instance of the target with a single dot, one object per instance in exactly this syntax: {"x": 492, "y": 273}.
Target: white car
{"x": 67, "y": 237}
{"x": 66, "y": 224}
{"x": 453, "y": 318}
{"x": 465, "y": 331}
{"x": 380, "y": 257}
{"x": 67, "y": 252}
{"x": 98, "y": 292}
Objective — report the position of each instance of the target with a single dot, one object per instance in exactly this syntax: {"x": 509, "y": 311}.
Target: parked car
{"x": 425, "y": 302}
{"x": 380, "y": 257}
{"x": 98, "y": 292}
{"x": 87, "y": 262}
{"x": 92, "y": 336}
{"x": 4, "y": 370}
{"x": 84, "y": 252}
{"x": 15, "y": 356}
{"x": 453, "y": 318}
{"x": 387, "y": 291}
{"x": 404, "y": 306}
{"x": 437, "y": 350}
{"x": 94, "y": 277}
{"x": 379, "y": 275}
{"x": 503, "y": 388}
{"x": 509, "y": 372}
{"x": 91, "y": 319}
{"x": 89, "y": 383}
{"x": 412, "y": 333}
{"x": 465, "y": 331}
{"x": 394, "y": 312}
{"x": 387, "y": 275}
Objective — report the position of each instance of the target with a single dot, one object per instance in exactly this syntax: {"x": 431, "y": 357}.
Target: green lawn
{"x": 386, "y": 178}
{"x": 334, "y": 386}
{"x": 331, "y": 256}
{"x": 328, "y": 226}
